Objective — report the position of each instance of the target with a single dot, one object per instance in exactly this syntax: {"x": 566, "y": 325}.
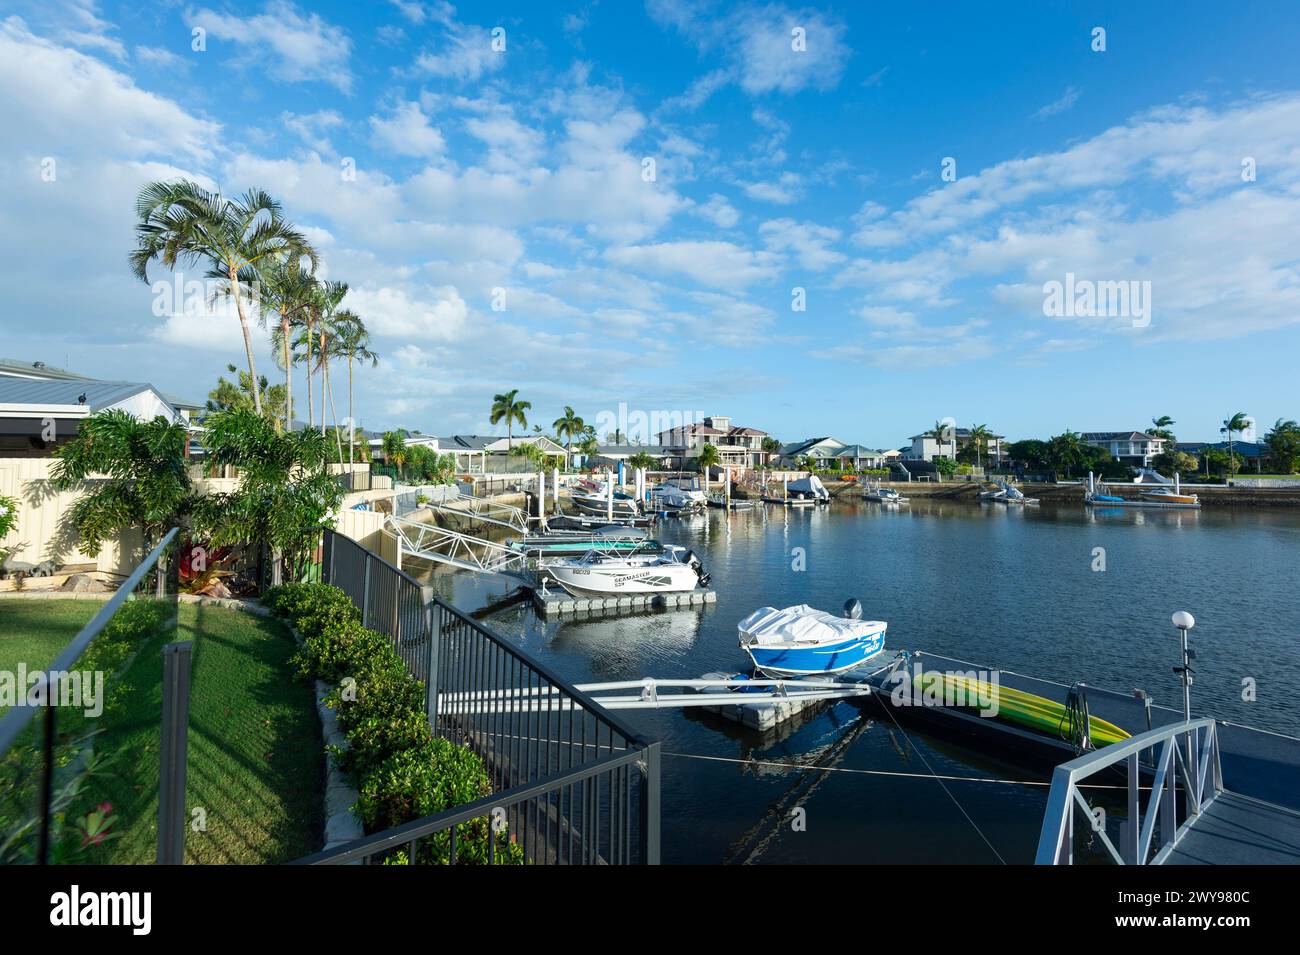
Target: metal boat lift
{"x": 649, "y": 695}
{"x": 482, "y": 509}
{"x": 443, "y": 546}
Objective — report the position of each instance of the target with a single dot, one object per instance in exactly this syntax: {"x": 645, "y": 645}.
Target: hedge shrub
{"x": 401, "y": 770}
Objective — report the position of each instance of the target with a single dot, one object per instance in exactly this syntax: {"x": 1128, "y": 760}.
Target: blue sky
{"x": 523, "y": 170}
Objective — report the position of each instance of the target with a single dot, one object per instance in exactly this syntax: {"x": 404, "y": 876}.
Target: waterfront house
{"x": 821, "y": 451}
{"x": 484, "y": 454}
{"x": 855, "y": 457}
{"x": 1134, "y": 448}
{"x": 41, "y": 408}
{"x": 666, "y": 458}
{"x": 925, "y": 447}
{"x": 737, "y": 446}
{"x": 1252, "y": 453}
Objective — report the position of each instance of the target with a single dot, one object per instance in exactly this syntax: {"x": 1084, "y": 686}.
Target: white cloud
{"x": 163, "y": 59}
{"x": 1160, "y": 199}
{"x": 807, "y": 242}
{"x": 436, "y": 314}
{"x": 313, "y": 128}
{"x": 284, "y": 42}
{"x": 406, "y": 131}
{"x": 718, "y": 211}
{"x": 783, "y": 190}
{"x": 464, "y": 52}
{"x": 715, "y": 264}
{"x": 68, "y": 104}
{"x": 759, "y": 46}
{"x": 1066, "y": 101}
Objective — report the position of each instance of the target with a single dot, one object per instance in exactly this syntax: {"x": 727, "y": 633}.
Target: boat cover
{"x": 803, "y": 624}
{"x": 810, "y": 485}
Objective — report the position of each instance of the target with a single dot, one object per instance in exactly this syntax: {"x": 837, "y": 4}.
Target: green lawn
{"x": 34, "y": 631}
{"x": 255, "y": 766}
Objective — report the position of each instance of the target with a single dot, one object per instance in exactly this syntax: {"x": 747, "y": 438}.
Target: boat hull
{"x": 613, "y": 582}
{"x": 622, "y": 506}
{"x": 785, "y": 659}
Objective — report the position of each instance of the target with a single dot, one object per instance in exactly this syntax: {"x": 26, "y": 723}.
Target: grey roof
{"x": 797, "y": 447}
{"x": 38, "y": 368}
{"x": 98, "y": 394}
{"x": 857, "y": 451}
{"x": 467, "y": 442}
{"x": 656, "y": 450}
{"x": 13, "y": 368}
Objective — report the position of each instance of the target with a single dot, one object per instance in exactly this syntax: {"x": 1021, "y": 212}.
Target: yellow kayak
{"x": 1015, "y": 706}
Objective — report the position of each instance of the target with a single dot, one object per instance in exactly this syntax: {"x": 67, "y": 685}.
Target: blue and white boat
{"x": 803, "y": 641}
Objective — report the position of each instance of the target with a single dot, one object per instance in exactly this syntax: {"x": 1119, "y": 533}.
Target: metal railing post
{"x": 47, "y": 772}
{"x": 650, "y": 804}
{"x": 431, "y": 674}
{"x": 175, "y": 731}
{"x": 1133, "y": 825}
{"x": 365, "y": 593}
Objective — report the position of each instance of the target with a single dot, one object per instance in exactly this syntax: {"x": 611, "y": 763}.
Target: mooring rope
{"x": 860, "y": 772}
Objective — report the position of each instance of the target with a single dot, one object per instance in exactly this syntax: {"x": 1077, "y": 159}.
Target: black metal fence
{"x": 571, "y": 782}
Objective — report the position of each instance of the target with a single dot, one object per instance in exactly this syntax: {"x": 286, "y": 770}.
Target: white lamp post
{"x": 1184, "y": 621}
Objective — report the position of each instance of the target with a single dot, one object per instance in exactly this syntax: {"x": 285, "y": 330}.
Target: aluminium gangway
{"x": 1200, "y": 822}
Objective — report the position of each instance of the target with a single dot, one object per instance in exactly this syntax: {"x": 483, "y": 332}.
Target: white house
{"x": 1134, "y": 448}
{"x": 925, "y": 447}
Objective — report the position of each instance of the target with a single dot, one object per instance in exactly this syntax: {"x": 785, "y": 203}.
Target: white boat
{"x": 884, "y": 495}
{"x": 1013, "y": 495}
{"x": 1004, "y": 493}
{"x": 802, "y": 641}
{"x": 808, "y": 489}
{"x": 594, "y": 499}
{"x": 673, "y": 496}
{"x": 597, "y": 574}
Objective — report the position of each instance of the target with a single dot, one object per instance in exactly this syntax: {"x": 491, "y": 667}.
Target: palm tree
{"x": 568, "y": 426}
{"x": 237, "y": 239}
{"x": 940, "y": 429}
{"x": 979, "y": 435}
{"x": 508, "y": 408}
{"x": 709, "y": 458}
{"x": 1160, "y": 428}
{"x": 139, "y": 478}
{"x": 352, "y": 342}
{"x": 395, "y": 449}
{"x": 288, "y": 290}
{"x": 325, "y": 304}
{"x": 1065, "y": 450}
{"x": 1238, "y": 422}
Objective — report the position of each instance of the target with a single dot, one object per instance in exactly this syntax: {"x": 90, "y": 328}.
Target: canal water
{"x": 1056, "y": 592}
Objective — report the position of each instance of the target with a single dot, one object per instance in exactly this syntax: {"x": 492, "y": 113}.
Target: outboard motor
{"x": 693, "y": 562}
{"x": 853, "y": 608}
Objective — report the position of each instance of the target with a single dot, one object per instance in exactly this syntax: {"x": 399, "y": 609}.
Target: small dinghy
{"x": 884, "y": 495}
{"x": 802, "y": 641}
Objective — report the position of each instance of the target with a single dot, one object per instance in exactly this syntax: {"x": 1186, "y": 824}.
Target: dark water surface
{"x": 1002, "y": 587}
